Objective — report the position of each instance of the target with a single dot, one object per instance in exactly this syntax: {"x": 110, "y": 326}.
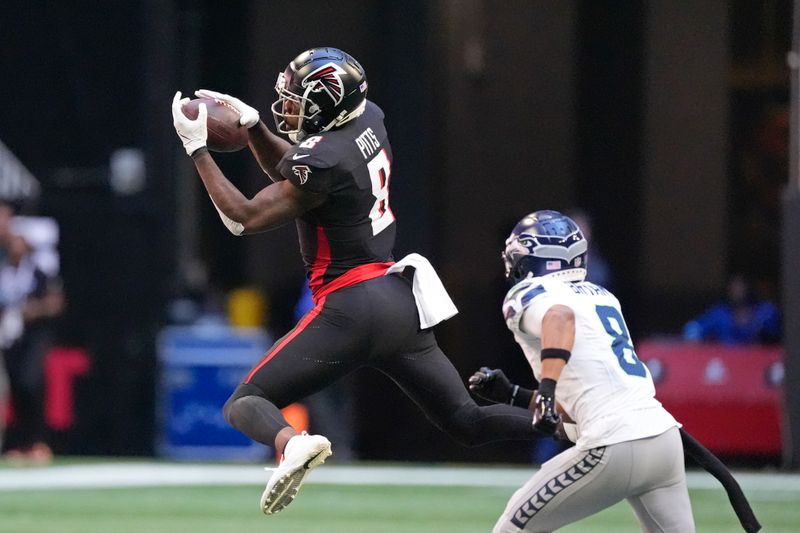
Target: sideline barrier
{"x": 728, "y": 397}
{"x": 199, "y": 368}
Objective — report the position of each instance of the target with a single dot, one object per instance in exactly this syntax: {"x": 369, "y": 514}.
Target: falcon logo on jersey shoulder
{"x": 327, "y": 78}
{"x": 302, "y": 172}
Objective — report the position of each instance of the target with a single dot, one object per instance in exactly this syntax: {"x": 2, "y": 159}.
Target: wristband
{"x": 547, "y": 388}
{"x": 200, "y": 151}
{"x": 555, "y": 353}
{"x": 513, "y": 395}
{"x": 521, "y": 397}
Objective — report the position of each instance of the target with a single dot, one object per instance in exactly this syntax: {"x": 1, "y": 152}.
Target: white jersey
{"x": 604, "y": 387}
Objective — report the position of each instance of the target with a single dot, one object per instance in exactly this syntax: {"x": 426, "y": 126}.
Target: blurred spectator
{"x": 597, "y": 269}
{"x": 29, "y": 299}
{"x": 741, "y": 319}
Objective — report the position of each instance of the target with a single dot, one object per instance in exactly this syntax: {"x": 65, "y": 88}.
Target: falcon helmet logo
{"x": 302, "y": 172}
{"x": 327, "y": 78}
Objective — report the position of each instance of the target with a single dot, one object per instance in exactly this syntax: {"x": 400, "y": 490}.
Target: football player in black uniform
{"x": 334, "y": 181}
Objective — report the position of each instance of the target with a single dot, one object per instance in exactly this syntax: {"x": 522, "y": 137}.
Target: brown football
{"x": 224, "y": 132}
{"x": 564, "y": 416}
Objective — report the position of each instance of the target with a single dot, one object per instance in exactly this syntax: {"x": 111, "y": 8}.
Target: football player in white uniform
{"x": 575, "y": 338}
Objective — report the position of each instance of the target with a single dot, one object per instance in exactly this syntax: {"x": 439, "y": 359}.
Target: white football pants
{"x": 649, "y": 473}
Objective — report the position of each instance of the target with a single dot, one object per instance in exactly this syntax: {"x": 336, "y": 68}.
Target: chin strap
{"x": 344, "y": 117}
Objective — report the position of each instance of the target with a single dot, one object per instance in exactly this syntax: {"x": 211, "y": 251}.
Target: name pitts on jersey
{"x": 352, "y": 165}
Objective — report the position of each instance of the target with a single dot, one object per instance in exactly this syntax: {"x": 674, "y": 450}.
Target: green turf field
{"x": 330, "y": 509}
{"x": 118, "y": 496}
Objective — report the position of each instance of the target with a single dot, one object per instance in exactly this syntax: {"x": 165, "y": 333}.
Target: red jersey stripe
{"x": 306, "y": 320}
{"x": 321, "y": 261}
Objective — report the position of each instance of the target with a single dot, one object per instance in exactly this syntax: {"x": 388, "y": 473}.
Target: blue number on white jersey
{"x": 621, "y": 344}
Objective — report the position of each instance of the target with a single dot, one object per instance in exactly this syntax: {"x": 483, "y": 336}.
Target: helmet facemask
{"x": 307, "y": 109}
{"x": 310, "y": 115}
{"x": 514, "y": 252}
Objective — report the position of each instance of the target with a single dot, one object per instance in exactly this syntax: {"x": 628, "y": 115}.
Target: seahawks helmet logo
{"x": 327, "y": 78}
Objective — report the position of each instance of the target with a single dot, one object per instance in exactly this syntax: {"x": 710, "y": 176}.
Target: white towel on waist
{"x": 433, "y": 303}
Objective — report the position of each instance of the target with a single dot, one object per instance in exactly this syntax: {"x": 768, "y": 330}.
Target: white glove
{"x": 193, "y": 133}
{"x": 248, "y": 116}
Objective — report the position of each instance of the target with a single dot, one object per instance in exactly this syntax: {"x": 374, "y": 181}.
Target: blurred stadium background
{"x": 668, "y": 122}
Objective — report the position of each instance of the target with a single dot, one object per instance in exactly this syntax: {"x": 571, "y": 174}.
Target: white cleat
{"x": 303, "y": 453}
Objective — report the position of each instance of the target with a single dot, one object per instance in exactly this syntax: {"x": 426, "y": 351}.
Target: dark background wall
{"x": 494, "y": 109}
{"x": 684, "y": 186}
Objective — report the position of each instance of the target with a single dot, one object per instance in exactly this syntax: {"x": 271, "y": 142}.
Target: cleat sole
{"x": 287, "y": 487}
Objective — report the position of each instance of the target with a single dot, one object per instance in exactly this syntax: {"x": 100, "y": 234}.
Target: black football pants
{"x": 373, "y": 323}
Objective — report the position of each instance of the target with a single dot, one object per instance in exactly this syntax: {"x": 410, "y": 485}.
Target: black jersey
{"x": 354, "y": 226}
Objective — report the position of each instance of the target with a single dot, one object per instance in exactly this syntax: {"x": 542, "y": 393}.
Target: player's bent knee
{"x": 243, "y": 411}
{"x": 239, "y": 402}
{"x": 229, "y": 409}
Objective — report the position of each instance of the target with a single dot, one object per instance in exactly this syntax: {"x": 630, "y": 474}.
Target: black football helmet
{"x": 327, "y": 85}
{"x": 545, "y": 243}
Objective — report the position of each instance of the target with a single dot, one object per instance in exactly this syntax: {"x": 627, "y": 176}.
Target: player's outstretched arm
{"x": 273, "y": 206}
{"x": 267, "y": 148}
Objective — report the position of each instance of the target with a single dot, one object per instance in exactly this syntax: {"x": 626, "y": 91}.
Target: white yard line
{"x": 117, "y": 475}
